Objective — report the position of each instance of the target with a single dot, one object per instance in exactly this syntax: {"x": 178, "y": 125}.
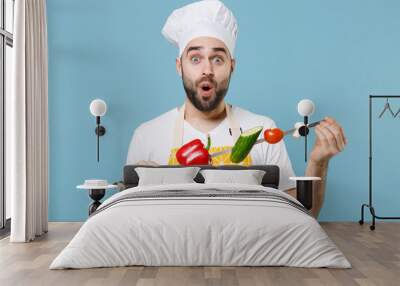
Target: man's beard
{"x": 195, "y": 98}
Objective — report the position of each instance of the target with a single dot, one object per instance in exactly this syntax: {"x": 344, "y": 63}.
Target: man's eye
{"x": 218, "y": 60}
{"x": 195, "y": 59}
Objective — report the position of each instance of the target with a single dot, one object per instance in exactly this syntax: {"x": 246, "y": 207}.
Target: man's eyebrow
{"x": 220, "y": 50}
{"x": 195, "y": 48}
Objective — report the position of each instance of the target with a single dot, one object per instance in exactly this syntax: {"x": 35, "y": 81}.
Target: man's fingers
{"x": 321, "y": 136}
{"x": 323, "y": 140}
{"x": 334, "y": 141}
{"x": 337, "y": 132}
{"x": 328, "y": 140}
{"x": 332, "y": 122}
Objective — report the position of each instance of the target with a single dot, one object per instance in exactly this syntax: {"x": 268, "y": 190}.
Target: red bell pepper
{"x": 194, "y": 153}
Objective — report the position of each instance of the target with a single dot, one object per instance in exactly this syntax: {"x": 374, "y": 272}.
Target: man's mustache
{"x": 206, "y": 79}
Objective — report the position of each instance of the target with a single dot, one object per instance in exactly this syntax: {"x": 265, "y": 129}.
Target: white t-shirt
{"x": 153, "y": 141}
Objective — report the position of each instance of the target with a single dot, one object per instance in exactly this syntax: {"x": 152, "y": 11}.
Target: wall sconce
{"x": 305, "y": 108}
{"x": 98, "y": 108}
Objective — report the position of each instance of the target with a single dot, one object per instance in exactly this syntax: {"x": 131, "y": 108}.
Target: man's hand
{"x": 329, "y": 142}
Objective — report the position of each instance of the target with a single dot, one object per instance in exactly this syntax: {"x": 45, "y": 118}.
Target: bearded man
{"x": 205, "y": 33}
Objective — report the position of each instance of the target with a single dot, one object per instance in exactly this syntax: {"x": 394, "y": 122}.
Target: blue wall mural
{"x": 335, "y": 53}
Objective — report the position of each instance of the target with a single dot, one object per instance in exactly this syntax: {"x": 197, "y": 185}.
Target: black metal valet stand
{"x": 369, "y": 205}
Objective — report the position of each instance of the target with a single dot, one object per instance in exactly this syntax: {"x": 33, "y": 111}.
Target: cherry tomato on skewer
{"x": 273, "y": 135}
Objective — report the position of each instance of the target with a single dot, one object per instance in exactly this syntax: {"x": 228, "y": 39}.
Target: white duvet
{"x": 200, "y": 231}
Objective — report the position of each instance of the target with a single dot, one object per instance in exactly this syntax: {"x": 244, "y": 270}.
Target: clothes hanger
{"x": 398, "y": 111}
{"x": 387, "y": 106}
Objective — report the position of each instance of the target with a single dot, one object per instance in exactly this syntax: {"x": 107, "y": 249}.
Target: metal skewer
{"x": 261, "y": 140}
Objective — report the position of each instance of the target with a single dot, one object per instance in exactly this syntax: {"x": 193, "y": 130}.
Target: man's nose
{"x": 208, "y": 68}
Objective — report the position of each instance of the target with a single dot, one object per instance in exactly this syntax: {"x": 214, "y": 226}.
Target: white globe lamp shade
{"x": 305, "y": 107}
{"x": 98, "y": 107}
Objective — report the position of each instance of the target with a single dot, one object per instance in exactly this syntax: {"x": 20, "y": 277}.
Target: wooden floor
{"x": 374, "y": 255}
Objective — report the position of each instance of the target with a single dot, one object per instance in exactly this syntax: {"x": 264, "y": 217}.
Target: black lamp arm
{"x": 100, "y": 131}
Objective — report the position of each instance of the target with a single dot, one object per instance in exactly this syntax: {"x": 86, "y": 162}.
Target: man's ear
{"x": 233, "y": 63}
{"x": 179, "y": 66}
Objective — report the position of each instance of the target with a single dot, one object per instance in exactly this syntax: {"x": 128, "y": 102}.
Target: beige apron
{"x": 218, "y": 160}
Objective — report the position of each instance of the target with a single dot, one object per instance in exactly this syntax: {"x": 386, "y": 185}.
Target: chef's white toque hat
{"x": 206, "y": 18}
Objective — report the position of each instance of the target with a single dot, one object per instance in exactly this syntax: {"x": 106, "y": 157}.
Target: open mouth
{"x": 206, "y": 87}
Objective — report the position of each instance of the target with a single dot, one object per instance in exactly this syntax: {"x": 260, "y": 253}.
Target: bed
{"x": 201, "y": 224}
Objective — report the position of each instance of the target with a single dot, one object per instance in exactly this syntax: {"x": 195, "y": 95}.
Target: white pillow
{"x": 249, "y": 177}
{"x": 162, "y": 176}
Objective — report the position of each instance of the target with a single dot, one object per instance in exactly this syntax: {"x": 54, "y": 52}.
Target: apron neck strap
{"x": 179, "y": 123}
{"x": 233, "y": 124}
